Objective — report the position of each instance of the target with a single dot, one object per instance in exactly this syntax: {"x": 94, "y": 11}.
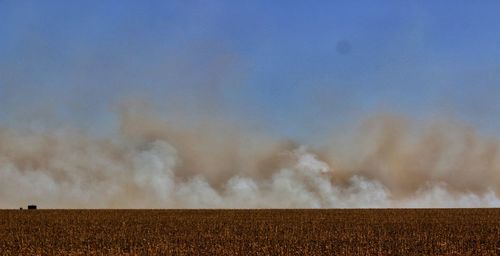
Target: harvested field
{"x": 251, "y": 232}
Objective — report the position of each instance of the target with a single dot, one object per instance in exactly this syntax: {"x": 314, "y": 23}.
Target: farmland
{"x": 250, "y": 232}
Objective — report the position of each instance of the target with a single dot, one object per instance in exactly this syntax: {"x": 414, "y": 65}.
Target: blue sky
{"x": 274, "y": 64}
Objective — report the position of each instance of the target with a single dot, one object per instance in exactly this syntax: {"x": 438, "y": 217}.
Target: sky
{"x": 296, "y": 69}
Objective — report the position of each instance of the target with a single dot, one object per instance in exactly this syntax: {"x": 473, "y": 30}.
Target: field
{"x": 250, "y": 232}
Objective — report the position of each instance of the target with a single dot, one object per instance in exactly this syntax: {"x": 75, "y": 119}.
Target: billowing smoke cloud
{"x": 150, "y": 163}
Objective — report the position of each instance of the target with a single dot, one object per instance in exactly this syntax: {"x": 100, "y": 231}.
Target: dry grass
{"x": 252, "y": 232}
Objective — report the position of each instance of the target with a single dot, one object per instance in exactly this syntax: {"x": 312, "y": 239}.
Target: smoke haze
{"x": 223, "y": 104}
{"x": 153, "y": 163}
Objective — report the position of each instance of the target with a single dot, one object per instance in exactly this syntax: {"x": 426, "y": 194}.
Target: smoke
{"x": 386, "y": 161}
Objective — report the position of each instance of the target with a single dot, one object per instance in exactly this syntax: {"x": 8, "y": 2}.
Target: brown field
{"x": 250, "y": 232}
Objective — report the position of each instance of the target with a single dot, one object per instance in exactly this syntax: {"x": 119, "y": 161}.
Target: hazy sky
{"x": 293, "y": 68}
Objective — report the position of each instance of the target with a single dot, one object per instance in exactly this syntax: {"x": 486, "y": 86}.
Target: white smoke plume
{"x": 150, "y": 163}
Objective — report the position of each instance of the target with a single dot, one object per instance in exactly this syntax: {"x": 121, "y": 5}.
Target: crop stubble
{"x": 251, "y": 232}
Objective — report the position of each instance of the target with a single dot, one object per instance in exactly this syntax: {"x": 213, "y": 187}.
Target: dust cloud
{"x": 149, "y": 162}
